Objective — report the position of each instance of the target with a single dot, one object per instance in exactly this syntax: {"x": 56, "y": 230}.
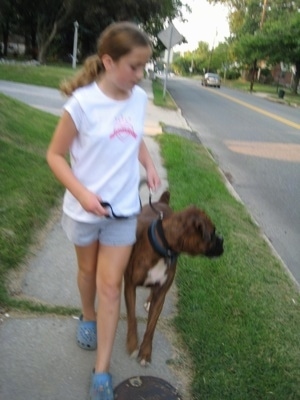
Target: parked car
{"x": 211, "y": 79}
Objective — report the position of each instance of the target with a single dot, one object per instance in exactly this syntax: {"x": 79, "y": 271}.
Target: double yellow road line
{"x": 259, "y": 110}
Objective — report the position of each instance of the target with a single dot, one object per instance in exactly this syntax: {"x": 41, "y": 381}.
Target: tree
{"x": 152, "y": 15}
{"x": 221, "y": 58}
{"x": 195, "y": 62}
{"x": 245, "y": 20}
{"x": 39, "y": 21}
{"x": 7, "y": 21}
{"x": 266, "y": 30}
{"x": 44, "y": 22}
{"x": 281, "y": 42}
{"x": 248, "y": 49}
{"x": 200, "y": 60}
{"x": 51, "y": 16}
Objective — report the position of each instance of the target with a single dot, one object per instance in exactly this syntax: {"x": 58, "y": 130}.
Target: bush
{"x": 265, "y": 76}
{"x": 231, "y": 74}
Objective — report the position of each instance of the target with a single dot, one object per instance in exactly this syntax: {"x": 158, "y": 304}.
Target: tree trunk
{"x": 33, "y": 43}
{"x": 42, "y": 54}
{"x": 253, "y": 75}
{"x": 46, "y": 29}
{"x": 45, "y": 43}
{"x": 296, "y": 78}
{"x": 5, "y": 33}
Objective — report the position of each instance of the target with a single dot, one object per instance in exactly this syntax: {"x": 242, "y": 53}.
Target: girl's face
{"x": 125, "y": 73}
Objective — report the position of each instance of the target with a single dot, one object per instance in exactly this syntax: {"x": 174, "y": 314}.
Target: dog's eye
{"x": 213, "y": 235}
{"x": 209, "y": 236}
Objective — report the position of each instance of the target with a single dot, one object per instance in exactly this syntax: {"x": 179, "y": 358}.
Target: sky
{"x": 207, "y": 23}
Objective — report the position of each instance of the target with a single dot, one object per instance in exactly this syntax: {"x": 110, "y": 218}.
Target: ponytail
{"x": 91, "y": 70}
{"x": 117, "y": 40}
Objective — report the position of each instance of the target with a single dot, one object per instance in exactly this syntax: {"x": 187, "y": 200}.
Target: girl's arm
{"x": 63, "y": 137}
{"x": 146, "y": 161}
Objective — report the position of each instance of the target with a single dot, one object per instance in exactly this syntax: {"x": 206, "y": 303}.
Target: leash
{"x": 158, "y": 212}
{"x": 163, "y": 250}
{"x": 106, "y": 204}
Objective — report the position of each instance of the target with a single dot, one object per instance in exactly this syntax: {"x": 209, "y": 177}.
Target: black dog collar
{"x": 165, "y": 250}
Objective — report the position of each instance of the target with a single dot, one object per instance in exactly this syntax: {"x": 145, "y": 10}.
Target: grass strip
{"x": 239, "y": 314}
{"x": 28, "y": 190}
{"x": 159, "y": 98}
{"x": 40, "y": 308}
{"x": 40, "y": 75}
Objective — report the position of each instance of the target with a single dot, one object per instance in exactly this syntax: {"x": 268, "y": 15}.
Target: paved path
{"x": 39, "y": 358}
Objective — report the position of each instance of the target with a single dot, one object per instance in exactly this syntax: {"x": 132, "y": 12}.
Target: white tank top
{"x": 104, "y": 154}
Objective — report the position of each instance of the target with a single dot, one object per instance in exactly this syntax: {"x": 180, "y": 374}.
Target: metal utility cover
{"x": 146, "y": 388}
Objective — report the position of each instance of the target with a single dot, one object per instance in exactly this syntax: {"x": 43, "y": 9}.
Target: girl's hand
{"x": 153, "y": 179}
{"x": 91, "y": 203}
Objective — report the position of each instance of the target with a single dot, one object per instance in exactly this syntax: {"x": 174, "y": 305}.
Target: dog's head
{"x": 191, "y": 231}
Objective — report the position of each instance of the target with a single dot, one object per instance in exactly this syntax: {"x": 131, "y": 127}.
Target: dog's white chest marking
{"x": 157, "y": 274}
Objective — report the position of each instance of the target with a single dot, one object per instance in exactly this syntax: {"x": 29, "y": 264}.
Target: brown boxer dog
{"x": 161, "y": 236}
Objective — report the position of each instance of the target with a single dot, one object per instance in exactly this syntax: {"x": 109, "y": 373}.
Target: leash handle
{"x": 105, "y": 204}
{"x": 160, "y": 214}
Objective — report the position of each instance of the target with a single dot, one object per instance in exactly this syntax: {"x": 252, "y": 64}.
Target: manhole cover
{"x": 146, "y": 388}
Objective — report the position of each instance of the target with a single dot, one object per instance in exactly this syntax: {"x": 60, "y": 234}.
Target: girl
{"x": 102, "y": 128}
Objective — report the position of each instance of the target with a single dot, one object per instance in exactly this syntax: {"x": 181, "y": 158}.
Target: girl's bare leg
{"x": 111, "y": 265}
{"x": 86, "y": 278}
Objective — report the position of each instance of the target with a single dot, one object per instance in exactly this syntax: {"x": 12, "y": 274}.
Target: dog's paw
{"x": 134, "y": 354}
{"x": 144, "y": 358}
{"x": 147, "y": 306}
{"x": 144, "y": 363}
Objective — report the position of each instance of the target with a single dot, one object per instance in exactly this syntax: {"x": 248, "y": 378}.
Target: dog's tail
{"x": 165, "y": 197}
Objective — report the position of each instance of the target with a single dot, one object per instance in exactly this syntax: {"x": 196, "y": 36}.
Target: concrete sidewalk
{"x": 39, "y": 357}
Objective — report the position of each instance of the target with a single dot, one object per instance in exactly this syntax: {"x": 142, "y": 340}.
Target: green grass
{"x": 28, "y": 190}
{"x": 245, "y": 85}
{"x": 41, "y": 75}
{"x": 270, "y": 90}
{"x": 159, "y": 98}
{"x": 239, "y": 315}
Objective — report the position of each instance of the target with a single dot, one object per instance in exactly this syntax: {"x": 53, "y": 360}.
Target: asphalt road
{"x": 256, "y": 143}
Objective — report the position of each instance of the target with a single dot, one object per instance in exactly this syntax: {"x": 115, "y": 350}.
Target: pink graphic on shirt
{"x": 123, "y": 129}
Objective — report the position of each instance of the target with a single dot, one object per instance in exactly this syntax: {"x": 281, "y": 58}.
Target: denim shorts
{"x": 108, "y": 231}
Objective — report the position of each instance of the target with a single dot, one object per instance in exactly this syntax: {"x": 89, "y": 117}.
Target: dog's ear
{"x": 165, "y": 197}
{"x": 203, "y": 226}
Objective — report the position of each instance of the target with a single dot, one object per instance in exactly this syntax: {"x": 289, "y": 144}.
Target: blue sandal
{"x": 86, "y": 334}
{"x": 101, "y": 387}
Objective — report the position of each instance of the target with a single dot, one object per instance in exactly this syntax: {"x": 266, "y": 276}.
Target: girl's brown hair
{"x": 117, "y": 40}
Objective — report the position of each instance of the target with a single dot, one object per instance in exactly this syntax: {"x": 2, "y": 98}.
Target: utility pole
{"x": 262, "y": 20}
{"x": 74, "y": 57}
{"x": 212, "y": 50}
{"x": 168, "y": 62}
{"x": 169, "y": 37}
{"x": 263, "y": 14}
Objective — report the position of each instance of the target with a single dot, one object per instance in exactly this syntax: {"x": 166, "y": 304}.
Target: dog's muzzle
{"x": 216, "y": 248}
